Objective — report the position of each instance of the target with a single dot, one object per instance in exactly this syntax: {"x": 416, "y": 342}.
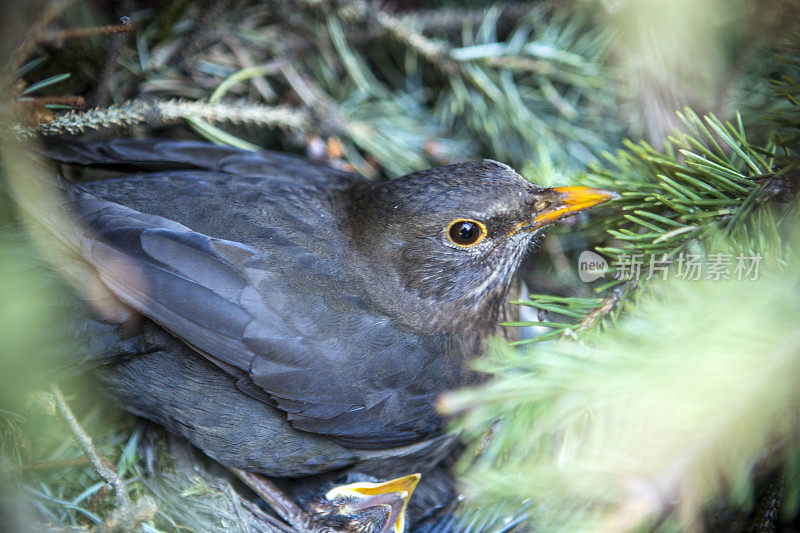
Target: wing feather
{"x": 284, "y": 317}
{"x": 156, "y": 154}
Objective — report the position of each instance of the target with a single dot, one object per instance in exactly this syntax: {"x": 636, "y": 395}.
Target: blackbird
{"x": 293, "y": 318}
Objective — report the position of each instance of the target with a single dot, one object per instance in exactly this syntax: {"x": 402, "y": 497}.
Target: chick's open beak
{"x": 394, "y": 493}
{"x": 568, "y": 201}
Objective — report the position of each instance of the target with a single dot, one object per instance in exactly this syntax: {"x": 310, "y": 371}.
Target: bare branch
{"x": 57, "y": 38}
{"x": 86, "y": 444}
{"x": 284, "y": 506}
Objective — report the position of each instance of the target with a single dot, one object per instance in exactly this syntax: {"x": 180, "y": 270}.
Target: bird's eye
{"x": 541, "y": 205}
{"x": 465, "y": 233}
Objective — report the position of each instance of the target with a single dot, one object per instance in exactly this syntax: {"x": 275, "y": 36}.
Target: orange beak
{"x": 569, "y": 201}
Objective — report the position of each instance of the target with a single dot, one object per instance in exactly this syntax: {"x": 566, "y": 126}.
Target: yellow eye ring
{"x": 465, "y": 232}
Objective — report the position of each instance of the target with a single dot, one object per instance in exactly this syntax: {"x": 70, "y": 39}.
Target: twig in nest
{"x": 35, "y": 110}
{"x": 38, "y": 101}
{"x": 404, "y": 30}
{"x": 57, "y": 38}
{"x": 284, "y": 506}
{"x": 86, "y": 444}
{"x": 399, "y": 29}
{"x": 610, "y": 302}
{"x": 261, "y": 515}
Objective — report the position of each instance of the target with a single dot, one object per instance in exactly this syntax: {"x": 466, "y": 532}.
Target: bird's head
{"x": 456, "y": 234}
{"x": 364, "y": 505}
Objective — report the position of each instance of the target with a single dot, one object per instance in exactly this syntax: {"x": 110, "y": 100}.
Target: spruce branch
{"x": 396, "y": 28}
{"x": 709, "y": 178}
{"x": 542, "y": 84}
{"x": 137, "y": 112}
{"x": 608, "y": 305}
{"x": 677, "y": 403}
{"x": 446, "y": 19}
{"x": 195, "y": 498}
{"x": 571, "y": 308}
{"x": 439, "y": 53}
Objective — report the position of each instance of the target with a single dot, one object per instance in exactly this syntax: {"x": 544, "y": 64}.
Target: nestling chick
{"x": 361, "y": 504}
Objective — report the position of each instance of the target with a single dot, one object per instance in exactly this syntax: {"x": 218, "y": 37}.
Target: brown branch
{"x": 609, "y": 303}
{"x": 126, "y": 516}
{"x": 261, "y": 515}
{"x": 408, "y": 30}
{"x": 435, "y": 52}
{"x": 85, "y": 442}
{"x": 57, "y": 38}
{"x": 38, "y": 101}
{"x": 780, "y": 186}
{"x": 283, "y": 505}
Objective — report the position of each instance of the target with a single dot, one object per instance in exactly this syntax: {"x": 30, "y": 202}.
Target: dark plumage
{"x": 330, "y": 311}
